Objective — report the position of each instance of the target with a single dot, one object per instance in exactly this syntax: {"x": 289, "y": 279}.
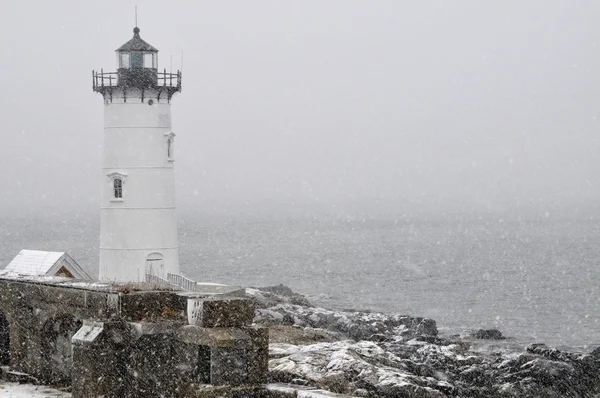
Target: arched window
{"x": 118, "y": 188}
{"x": 117, "y": 180}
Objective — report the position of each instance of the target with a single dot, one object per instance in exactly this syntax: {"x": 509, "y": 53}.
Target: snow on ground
{"x": 15, "y": 390}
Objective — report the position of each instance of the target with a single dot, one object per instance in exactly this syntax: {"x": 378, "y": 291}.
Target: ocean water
{"x": 535, "y": 280}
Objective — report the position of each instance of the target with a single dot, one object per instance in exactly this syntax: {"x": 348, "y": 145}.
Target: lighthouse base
{"x": 133, "y": 265}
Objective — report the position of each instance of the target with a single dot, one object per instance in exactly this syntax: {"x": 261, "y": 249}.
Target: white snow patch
{"x": 15, "y": 390}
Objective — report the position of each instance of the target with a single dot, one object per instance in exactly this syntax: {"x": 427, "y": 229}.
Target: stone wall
{"x": 114, "y": 341}
{"x": 41, "y": 318}
{"x": 4, "y": 340}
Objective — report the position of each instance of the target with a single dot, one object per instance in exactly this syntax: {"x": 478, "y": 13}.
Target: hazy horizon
{"x": 329, "y": 107}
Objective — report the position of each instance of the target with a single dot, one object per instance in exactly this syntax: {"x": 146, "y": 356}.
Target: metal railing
{"x": 165, "y": 80}
{"x": 169, "y": 79}
{"x": 157, "y": 280}
{"x": 104, "y": 79}
{"x": 182, "y": 282}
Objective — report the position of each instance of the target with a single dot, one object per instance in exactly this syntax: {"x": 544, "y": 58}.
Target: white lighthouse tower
{"x": 138, "y": 230}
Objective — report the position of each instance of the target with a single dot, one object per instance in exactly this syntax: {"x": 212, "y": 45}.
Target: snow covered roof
{"x": 137, "y": 44}
{"x": 43, "y": 263}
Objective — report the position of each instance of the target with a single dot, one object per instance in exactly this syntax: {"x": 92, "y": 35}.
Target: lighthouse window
{"x": 137, "y": 59}
{"x": 148, "y": 60}
{"x": 118, "y": 188}
{"x": 170, "y": 142}
{"x": 124, "y": 60}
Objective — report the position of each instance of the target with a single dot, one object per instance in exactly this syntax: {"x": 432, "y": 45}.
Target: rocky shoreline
{"x": 366, "y": 354}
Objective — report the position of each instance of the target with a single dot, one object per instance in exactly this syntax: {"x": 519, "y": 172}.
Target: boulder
{"x": 488, "y": 334}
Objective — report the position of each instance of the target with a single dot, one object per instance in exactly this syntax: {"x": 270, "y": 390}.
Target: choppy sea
{"x": 535, "y": 280}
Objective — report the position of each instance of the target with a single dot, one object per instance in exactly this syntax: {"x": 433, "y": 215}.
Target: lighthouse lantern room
{"x": 138, "y": 223}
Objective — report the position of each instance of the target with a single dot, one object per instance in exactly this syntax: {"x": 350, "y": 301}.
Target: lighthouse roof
{"x": 136, "y": 43}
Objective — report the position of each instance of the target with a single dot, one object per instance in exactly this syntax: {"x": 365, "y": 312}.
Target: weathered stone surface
{"x": 128, "y": 348}
{"x": 18, "y": 377}
{"x": 488, "y": 334}
{"x": 132, "y": 342}
{"x": 56, "y": 355}
{"x": 357, "y": 325}
{"x": 220, "y": 312}
{"x": 150, "y": 306}
{"x": 201, "y": 370}
{"x": 4, "y": 340}
{"x": 212, "y": 337}
{"x": 99, "y": 364}
{"x": 246, "y": 363}
{"x": 229, "y": 366}
{"x": 268, "y": 391}
{"x": 154, "y": 368}
{"x": 399, "y": 360}
{"x": 258, "y": 356}
{"x": 238, "y": 356}
{"x": 207, "y": 391}
{"x": 280, "y": 294}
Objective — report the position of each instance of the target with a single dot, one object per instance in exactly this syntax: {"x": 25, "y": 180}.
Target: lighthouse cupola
{"x": 137, "y": 69}
{"x": 137, "y": 63}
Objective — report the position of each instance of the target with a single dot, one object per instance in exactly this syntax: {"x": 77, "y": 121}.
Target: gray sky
{"x": 380, "y": 106}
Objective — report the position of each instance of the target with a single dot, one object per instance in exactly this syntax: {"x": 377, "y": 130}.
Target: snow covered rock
{"x": 376, "y": 355}
{"x": 293, "y": 309}
{"x": 347, "y": 366}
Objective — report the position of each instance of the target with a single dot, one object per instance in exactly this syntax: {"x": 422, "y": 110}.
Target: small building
{"x": 42, "y": 263}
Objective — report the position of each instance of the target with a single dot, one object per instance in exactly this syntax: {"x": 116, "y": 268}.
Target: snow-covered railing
{"x": 157, "y": 280}
{"x": 182, "y": 282}
{"x": 151, "y": 77}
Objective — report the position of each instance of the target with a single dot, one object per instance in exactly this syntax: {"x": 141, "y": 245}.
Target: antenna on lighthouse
{"x": 136, "y": 16}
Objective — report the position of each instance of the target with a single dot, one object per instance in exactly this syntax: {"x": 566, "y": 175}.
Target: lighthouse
{"x": 138, "y": 222}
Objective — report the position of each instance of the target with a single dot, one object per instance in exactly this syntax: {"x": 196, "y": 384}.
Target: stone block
{"x": 150, "y": 306}
{"x": 216, "y": 312}
{"x": 207, "y": 391}
{"x": 99, "y": 360}
{"x": 212, "y": 337}
{"x": 249, "y": 392}
{"x": 281, "y": 391}
{"x": 229, "y": 365}
{"x": 88, "y": 333}
{"x": 202, "y": 369}
{"x": 98, "y": 370}
{"x": 210, "y": 391}
{"x": 258, "y": 356}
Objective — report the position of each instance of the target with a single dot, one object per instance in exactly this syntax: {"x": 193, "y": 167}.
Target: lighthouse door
{"x": 155, "y": 264}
